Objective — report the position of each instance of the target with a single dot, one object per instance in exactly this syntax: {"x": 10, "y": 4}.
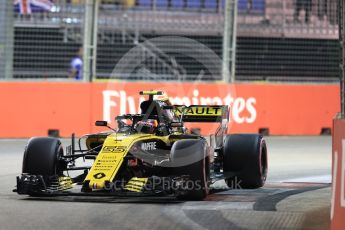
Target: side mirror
{"x": 101, "y": 123}
{"x": 176, "y": 124}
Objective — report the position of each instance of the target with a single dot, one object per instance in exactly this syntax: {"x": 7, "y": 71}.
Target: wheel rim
{"x": 263, "y": 160}
{"x": 57, "y": 169}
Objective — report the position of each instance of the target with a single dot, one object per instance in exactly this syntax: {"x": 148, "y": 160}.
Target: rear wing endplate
{"x": 202, "y": 113}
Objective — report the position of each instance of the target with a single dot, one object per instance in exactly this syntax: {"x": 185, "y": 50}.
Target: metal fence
{"x": 289, "y": 40}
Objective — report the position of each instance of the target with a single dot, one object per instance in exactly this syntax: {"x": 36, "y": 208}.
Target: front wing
{"x": 38, "y": 185}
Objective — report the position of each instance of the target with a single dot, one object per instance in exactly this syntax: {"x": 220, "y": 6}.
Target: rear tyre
{"x": 189, "y": 158}
{"x": 246, "y": 156}
{"x": 42, "y": 157}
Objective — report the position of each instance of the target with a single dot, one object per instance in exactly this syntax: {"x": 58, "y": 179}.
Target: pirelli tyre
{"x": 245, "y": 155}
{"x": 42, "y": 157}
{"x": 189, "y": 158}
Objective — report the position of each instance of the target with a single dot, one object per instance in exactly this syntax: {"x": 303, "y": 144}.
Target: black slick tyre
{"x": 245, "y": 155}
{"x": 42, "y": 157}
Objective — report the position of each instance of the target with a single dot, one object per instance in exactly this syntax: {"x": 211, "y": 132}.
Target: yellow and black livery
{"x": 151, "y": 153}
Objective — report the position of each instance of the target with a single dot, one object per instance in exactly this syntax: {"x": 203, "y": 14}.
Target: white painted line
{"x": 14, "y": 140}
{"x": 334, "y": 184}
{"x": 220, "y": 205}
{"x": 311, "y": 179}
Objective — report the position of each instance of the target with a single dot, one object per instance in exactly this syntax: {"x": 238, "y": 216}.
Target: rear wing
{"x": 202, "y": 113}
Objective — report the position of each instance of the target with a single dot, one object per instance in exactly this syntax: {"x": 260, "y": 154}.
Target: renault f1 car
{"x": 151, "y": 153}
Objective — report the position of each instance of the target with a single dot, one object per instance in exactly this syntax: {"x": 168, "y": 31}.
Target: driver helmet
{"x": 147, "y": 126}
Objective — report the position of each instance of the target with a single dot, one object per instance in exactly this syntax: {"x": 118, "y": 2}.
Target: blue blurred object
{"x": 162, "y": 4}
{"x": 177, "y": 3}
{"x": 144, "y": 3}
{"x": 259, "y": 5}
{"x": 211, "y": 4}
{"x": 244, "y": 6}
{"x": 28, "y": 7}
{"x": 192, "y": 4}
{"x": 256, "y": 6}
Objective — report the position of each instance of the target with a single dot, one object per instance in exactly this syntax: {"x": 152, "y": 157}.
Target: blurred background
{"x": 258, "y": 40}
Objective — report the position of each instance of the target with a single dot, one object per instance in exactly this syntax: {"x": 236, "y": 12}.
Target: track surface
{"x": 297, "y": 196}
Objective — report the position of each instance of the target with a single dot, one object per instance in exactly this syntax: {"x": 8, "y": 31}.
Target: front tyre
{"x": 42, "y": 156}
{"x": 245, "y": 155}
{"x": 189, "y": 158}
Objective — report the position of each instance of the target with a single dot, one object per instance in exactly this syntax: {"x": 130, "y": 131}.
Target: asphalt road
{"x": 301, "y": 203}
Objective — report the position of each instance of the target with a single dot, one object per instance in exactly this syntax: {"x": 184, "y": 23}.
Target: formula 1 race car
{"x": 151, "y": 153}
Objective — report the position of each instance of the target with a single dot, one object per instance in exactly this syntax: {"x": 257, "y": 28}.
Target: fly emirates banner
{"x": 31, "y": 108}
